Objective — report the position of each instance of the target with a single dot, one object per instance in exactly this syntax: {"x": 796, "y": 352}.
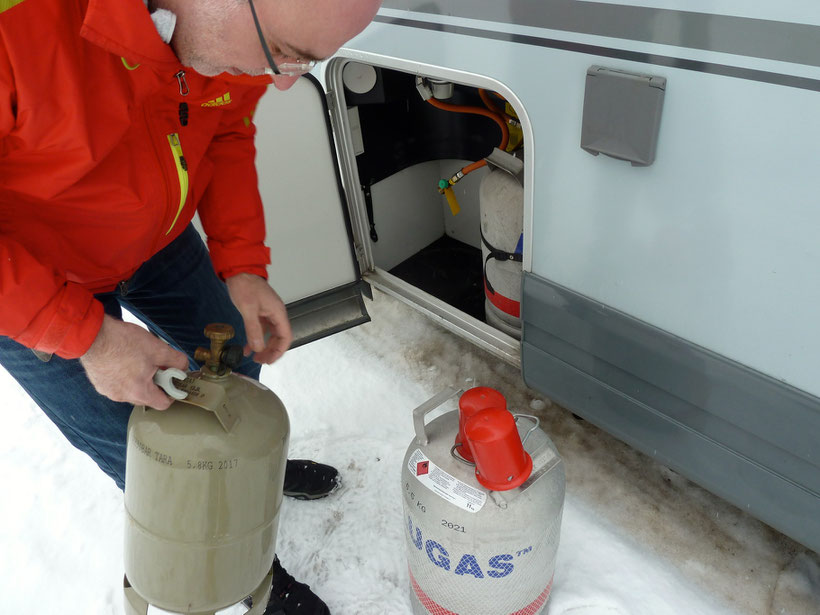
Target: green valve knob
{"x": 443, "y": 184}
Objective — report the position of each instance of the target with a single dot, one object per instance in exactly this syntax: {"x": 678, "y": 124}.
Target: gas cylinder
{"x": 203, "y": 489}
{"x": 482, "y": 537}
{"x": 501, "y": 203}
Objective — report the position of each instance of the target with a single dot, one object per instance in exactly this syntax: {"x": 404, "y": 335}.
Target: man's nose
{"x": 284, "y": 82}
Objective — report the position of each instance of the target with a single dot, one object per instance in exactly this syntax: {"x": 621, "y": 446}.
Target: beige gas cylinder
{"x": 203, "y": 489}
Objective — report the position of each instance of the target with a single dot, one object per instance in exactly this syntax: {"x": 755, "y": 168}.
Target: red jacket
{"x": 101, "y": 167}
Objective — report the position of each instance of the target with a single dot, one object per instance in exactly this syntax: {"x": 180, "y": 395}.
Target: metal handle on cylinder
{"x": 458, "y": 457}
{"x": 427, "y": 407}
{"x": 534, "y": 427}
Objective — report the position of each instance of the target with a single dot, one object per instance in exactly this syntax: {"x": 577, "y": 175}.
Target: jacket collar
{"x": 125, "y": 28}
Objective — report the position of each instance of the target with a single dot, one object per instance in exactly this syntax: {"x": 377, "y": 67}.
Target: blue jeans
{"x": 175, "y": 293}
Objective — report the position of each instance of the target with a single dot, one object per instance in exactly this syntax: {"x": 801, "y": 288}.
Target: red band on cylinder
{"x": 505, "y": 304}
{"x": 434, "y": 607}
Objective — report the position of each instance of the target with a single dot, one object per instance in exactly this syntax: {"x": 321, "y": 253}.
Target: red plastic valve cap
{"x": 501, "y": 463}
{"x": 472, "y": 401}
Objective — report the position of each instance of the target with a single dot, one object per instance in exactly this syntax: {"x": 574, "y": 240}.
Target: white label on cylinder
{"x": 445, "y": 485}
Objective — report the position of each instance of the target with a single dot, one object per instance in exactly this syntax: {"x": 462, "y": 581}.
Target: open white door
{"x": 313, "y": 266}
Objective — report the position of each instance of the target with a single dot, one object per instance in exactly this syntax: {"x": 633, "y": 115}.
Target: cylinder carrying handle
{"x": 534, "y": 427}
{"x": 457, "y": 456}
{"x": 427, "y": 407}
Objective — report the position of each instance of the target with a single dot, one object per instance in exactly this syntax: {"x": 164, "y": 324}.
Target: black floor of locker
{"x": 449, "y": 270}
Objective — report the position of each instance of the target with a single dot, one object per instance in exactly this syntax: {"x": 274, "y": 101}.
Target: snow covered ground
{"x": 636, "y": 537}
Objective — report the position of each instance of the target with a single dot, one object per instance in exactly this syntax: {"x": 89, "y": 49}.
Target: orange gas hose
{"x": 505, "y": 133}
{"x": 485, "y": 97}
{"x": 472, "y": 167}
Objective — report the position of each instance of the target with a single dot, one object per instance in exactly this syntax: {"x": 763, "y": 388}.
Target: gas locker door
{"x": 313, "y": 264}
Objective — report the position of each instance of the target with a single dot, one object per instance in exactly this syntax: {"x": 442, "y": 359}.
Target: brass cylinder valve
{"x": 220, "y": 357}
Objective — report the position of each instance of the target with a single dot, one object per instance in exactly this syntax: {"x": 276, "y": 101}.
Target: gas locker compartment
{"x": 432, "y": 219}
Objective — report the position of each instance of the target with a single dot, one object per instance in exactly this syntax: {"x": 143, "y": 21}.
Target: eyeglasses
{"x": 291, "y": 67}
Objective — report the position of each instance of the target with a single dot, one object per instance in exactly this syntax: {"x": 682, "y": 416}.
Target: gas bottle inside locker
{"x": 473, "y": 550}
{"x": 203, "y": 489}
{"x": 501, "y": 201}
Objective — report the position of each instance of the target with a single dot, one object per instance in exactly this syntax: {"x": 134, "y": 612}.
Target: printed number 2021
{"x": 453, "y": 526}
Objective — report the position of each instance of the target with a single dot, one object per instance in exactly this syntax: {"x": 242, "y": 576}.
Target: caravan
{"x": 660, "y": 219}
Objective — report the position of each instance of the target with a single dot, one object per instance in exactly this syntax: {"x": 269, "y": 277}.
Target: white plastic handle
{"x": 163, "y": 379}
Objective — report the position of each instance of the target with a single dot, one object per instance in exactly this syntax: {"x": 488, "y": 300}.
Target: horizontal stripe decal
{"x": 757, "y": 38}
{"x": 724, "y": 70}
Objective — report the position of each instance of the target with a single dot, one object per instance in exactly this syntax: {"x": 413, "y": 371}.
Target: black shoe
{"x": 289, "y": 597}
{"x": 308, "y": 480}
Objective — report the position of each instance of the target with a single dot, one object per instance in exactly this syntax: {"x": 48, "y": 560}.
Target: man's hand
{"x": 264, "y": 315}
{"x": 123, "y": 359}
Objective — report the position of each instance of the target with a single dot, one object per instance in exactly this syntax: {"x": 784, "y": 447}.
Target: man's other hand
{"x": 123, "y": 359}
{"x": 264, "y": 315}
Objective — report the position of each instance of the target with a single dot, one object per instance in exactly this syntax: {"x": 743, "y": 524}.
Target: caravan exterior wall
{"x": 673, "y": 304}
